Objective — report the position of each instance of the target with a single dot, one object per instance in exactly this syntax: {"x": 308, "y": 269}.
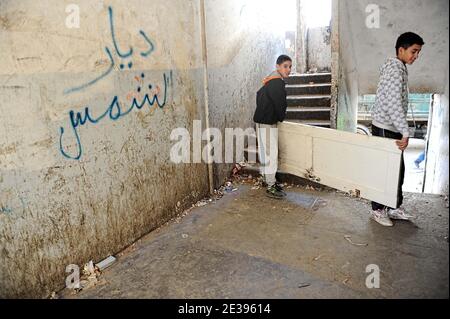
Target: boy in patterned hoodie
{"x": 389, "y": 115}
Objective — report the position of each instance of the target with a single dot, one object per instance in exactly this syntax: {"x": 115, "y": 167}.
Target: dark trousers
{"x": 376, "y": 131}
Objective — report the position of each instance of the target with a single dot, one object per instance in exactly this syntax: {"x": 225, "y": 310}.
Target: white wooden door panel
{"x": 366, "y": 165}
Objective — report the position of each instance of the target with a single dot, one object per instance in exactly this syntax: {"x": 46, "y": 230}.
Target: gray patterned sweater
{"x": 391, "y": 103}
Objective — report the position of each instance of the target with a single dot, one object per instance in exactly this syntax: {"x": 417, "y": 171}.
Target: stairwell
{"x": 309, "y": 99}
{"x": 309, "y": 103}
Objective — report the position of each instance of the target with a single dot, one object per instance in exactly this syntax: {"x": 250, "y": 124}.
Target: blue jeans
{"x": 420, "y": 159}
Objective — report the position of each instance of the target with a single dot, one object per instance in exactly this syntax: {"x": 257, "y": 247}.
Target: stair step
{"x": 309, "y": 78}
{"x": 309, "y": 109}
{"x": 309, "y": 89}
{"x": 309, "y": 100}
{"x": 309, "y": 113}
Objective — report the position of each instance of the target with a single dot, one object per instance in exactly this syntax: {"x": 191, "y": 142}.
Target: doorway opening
{"x": 419, "y": 113}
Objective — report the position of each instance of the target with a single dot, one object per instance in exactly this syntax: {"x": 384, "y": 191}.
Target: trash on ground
{"x": 201, "y": 203}
{"x": 243, "y": 164}
{"x": 236, "y": 170}
{"x": 106, "y": 263}
{"x": 89, "y": 278}
{"x": 349, "y": 239}
{"x": 318, "y": 203}
{"x": 304, "y": 285}
{"x": 89, "y": 268}
{"x": 317, "y": 258}
{"x": 355, "y": 193}
{"x": 185, "y": 236}
{"x": 229, "y": 188}
{"x": 311, "y": 176}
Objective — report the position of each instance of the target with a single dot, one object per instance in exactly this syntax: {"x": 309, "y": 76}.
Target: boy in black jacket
{"x": 271, "y": 107}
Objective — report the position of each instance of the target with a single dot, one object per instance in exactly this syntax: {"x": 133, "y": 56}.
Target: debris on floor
{"x": 317, "y": 258}
{"x": 311, "y": 176}
{"x": 89, "y": 277}
{"x": 236, "y": 170}
{"x": 355, "y": 193}
{"x": 304, "y": 285}
{"x": 201, "y": 203}
{"x": 218, "y": 194}
{"x": 349, "y": 239}
{"x": 54, "y": 295}
{"x": 105, "y": 263}
{"x": 318, "y": 203}
{"x": 229, "y": 188}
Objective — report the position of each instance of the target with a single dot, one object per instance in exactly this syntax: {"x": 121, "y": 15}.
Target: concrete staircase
{"x": 309, "y": 99}
{"x": 309, "y": 102}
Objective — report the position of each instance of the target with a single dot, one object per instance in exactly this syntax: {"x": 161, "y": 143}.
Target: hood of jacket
{"x": 274, "y": 75}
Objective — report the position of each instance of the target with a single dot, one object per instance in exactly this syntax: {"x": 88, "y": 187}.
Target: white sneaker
{"x": 399, "y": 214}
{"x": 381, "y": 217}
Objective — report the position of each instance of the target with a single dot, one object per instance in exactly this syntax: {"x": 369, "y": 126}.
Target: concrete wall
{"x": 244, "y": 41}
{"x": 319, "y": 49}
{"x": 80, "y": 188}
{"x": 373, "y": 46}
{"x": 369, "y": 47}
{"x": 301, "y": 51}
{"x": 437, "y": 162}
{"x": 57, "y": 211}
{"x": 348, "y": 85}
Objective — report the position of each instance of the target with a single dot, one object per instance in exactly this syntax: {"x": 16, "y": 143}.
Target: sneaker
{"x": 381, "y": 217}
{"x": 272, "y": 192}
{"x": 279, "y": 187}
{"x": 399, "y": 214}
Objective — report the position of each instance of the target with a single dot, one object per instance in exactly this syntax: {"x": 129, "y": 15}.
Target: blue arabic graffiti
{"x": 120, "y": 54}
{"x": 114, "y": 112}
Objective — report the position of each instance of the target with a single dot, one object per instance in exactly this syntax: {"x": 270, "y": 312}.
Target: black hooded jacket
{"x": 271, "y": 103}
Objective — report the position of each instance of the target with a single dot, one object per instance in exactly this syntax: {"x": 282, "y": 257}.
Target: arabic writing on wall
{"x": 121, "y": 54}
{"x": 115, "y": 110}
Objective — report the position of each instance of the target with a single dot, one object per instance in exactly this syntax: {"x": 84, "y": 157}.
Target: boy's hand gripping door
{"x": 366, "y": 166}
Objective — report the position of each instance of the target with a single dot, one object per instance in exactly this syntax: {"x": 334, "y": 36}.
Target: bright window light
{"x": 317, "y": 13}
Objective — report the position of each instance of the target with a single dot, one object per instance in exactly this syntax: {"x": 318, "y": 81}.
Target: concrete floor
{"x": 249, "y": 246}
